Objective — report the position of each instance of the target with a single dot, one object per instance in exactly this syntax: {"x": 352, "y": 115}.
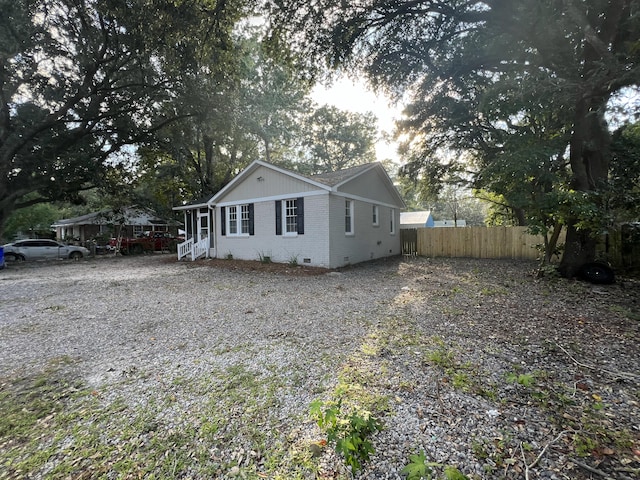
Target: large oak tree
{"x": 479, "y": 74}
{"x": 80, "y": 79}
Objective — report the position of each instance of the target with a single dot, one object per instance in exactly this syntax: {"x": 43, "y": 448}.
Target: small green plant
{"x": 524, "y": 379}
{"x": 293, "y": 261}
{"x": 350, "y": 434}
{"x": 264, "y": 258}
{"x": 441, "y": 357}
{"x": 462, "y": 381}
{"x": 229, "y": 256}
{"x": 584, "y": 445}
{"x": 418, "y": 468}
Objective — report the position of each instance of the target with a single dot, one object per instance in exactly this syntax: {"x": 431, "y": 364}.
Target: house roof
{"x": 324, "y": 181}
{"x": 89, "y": 218}
{"x": 201, "y": 202}
{"x": 411, "y": 218}
{"x": 333, "y": 179}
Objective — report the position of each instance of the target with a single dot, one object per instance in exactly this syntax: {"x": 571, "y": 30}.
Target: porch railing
{"x": 200, "y": 248}
{"x": 185, "y": 248}
{"x": 194, "y": 249}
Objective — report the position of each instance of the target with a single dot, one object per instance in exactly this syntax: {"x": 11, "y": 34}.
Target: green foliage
{"x": 348, "y": 432}
{"x": 524, "y": 379}
{"x": 264, "y": 257}
{"x": 336, "y": 139}
{"x": 624, "y": 187}
{"x": 442, "y": 357}
{"x": 419, "y": 468}
{"x": 31, "y": 220}
{"x": 491, "y": 101}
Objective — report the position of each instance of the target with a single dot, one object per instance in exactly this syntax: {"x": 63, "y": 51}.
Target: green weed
{"x": 419, "y": 468}
{"x": 349, "y": 433}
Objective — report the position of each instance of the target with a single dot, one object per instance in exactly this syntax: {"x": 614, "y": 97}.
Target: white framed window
{"x": 244, "y": 219}
{"x": 290, "y": 217}
{"x": 232, "y": 228}
{"x": 375, "y": 215}
{"x": 238, "y": 219}
{"x": 348, "y": 217}
{"x": 392, "y": 223}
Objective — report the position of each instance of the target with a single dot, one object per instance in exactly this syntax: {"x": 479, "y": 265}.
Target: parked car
{"x": 42, "y": 249}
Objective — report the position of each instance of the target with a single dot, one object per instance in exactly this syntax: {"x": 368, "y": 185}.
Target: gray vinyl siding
{"x": 371, "y": 186}
{"x": 263, "y": 183}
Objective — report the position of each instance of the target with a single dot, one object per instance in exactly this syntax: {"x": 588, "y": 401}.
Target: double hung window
{"x": 237, "y": 220}
{"x": 290, "y": 216}
{"x": 392, "y": 224}
{"x": 348, "y": 217}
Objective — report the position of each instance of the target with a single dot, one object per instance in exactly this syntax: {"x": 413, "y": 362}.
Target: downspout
{"x": 212, "y": 232}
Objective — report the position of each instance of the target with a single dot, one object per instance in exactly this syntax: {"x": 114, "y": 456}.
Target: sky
{"x": 346, "y": 94}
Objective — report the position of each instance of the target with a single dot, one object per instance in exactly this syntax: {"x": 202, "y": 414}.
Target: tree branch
{"x": 625, "y": 375}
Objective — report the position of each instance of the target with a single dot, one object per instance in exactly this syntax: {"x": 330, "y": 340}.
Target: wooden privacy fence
{"x": 473, "y": 242}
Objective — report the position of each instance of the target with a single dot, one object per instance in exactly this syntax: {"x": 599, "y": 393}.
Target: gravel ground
{"x": 207, "y": 370}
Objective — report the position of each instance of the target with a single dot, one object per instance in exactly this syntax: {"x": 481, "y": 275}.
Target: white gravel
{"x": 138, "y": 328}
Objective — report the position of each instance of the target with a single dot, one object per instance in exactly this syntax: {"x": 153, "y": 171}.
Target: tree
{"x": 274, "y": 94}
{"x": 246, "y": 111}
{"x": 335, "y": 139}
{"x": 481, "y": 73}
{"x": 624, "y": 192}
{"x": 80, "y": 79}
{"x": 33, "y": 221}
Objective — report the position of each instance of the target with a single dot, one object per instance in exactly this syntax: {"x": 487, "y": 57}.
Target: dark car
{"x": 42, "y": 249}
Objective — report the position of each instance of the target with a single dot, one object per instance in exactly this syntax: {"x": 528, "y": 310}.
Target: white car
{"x": 41, "y": 249}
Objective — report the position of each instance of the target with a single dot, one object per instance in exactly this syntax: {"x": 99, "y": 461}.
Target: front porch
{"x": 199, "y": 223}
{"x": 193, "y": 249}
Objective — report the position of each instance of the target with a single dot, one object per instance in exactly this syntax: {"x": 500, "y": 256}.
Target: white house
{"x": 328, "y": 220}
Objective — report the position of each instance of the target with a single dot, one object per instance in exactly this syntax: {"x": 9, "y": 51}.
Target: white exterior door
{"x": 203, "y": 225}
{"x": 205, "y": 229}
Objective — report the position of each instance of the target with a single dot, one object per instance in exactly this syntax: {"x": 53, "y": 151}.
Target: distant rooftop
{"x": 414, "y": 218}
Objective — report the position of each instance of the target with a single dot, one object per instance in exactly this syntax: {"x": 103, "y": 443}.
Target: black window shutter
{"x": 251, "y": 229}
{"x": 223, "y": 221}
{"x": 278, "y": 217}
{"x": 300, "y": 215}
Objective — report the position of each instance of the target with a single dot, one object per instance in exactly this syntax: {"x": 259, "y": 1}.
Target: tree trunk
{"x": 589, "y": 158}
{"x": 551, "y": 243}
{"x": 520, "y": 216}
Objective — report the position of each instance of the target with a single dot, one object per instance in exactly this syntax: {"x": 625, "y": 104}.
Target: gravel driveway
{"x": 143, "y": 367}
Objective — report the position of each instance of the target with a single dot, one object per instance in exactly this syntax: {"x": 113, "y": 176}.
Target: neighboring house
{"x": 424, "y": 219}
{"x": 128, "y": 222}
{"x": 416, "y": 219}
{"x": 328, "y": 220}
